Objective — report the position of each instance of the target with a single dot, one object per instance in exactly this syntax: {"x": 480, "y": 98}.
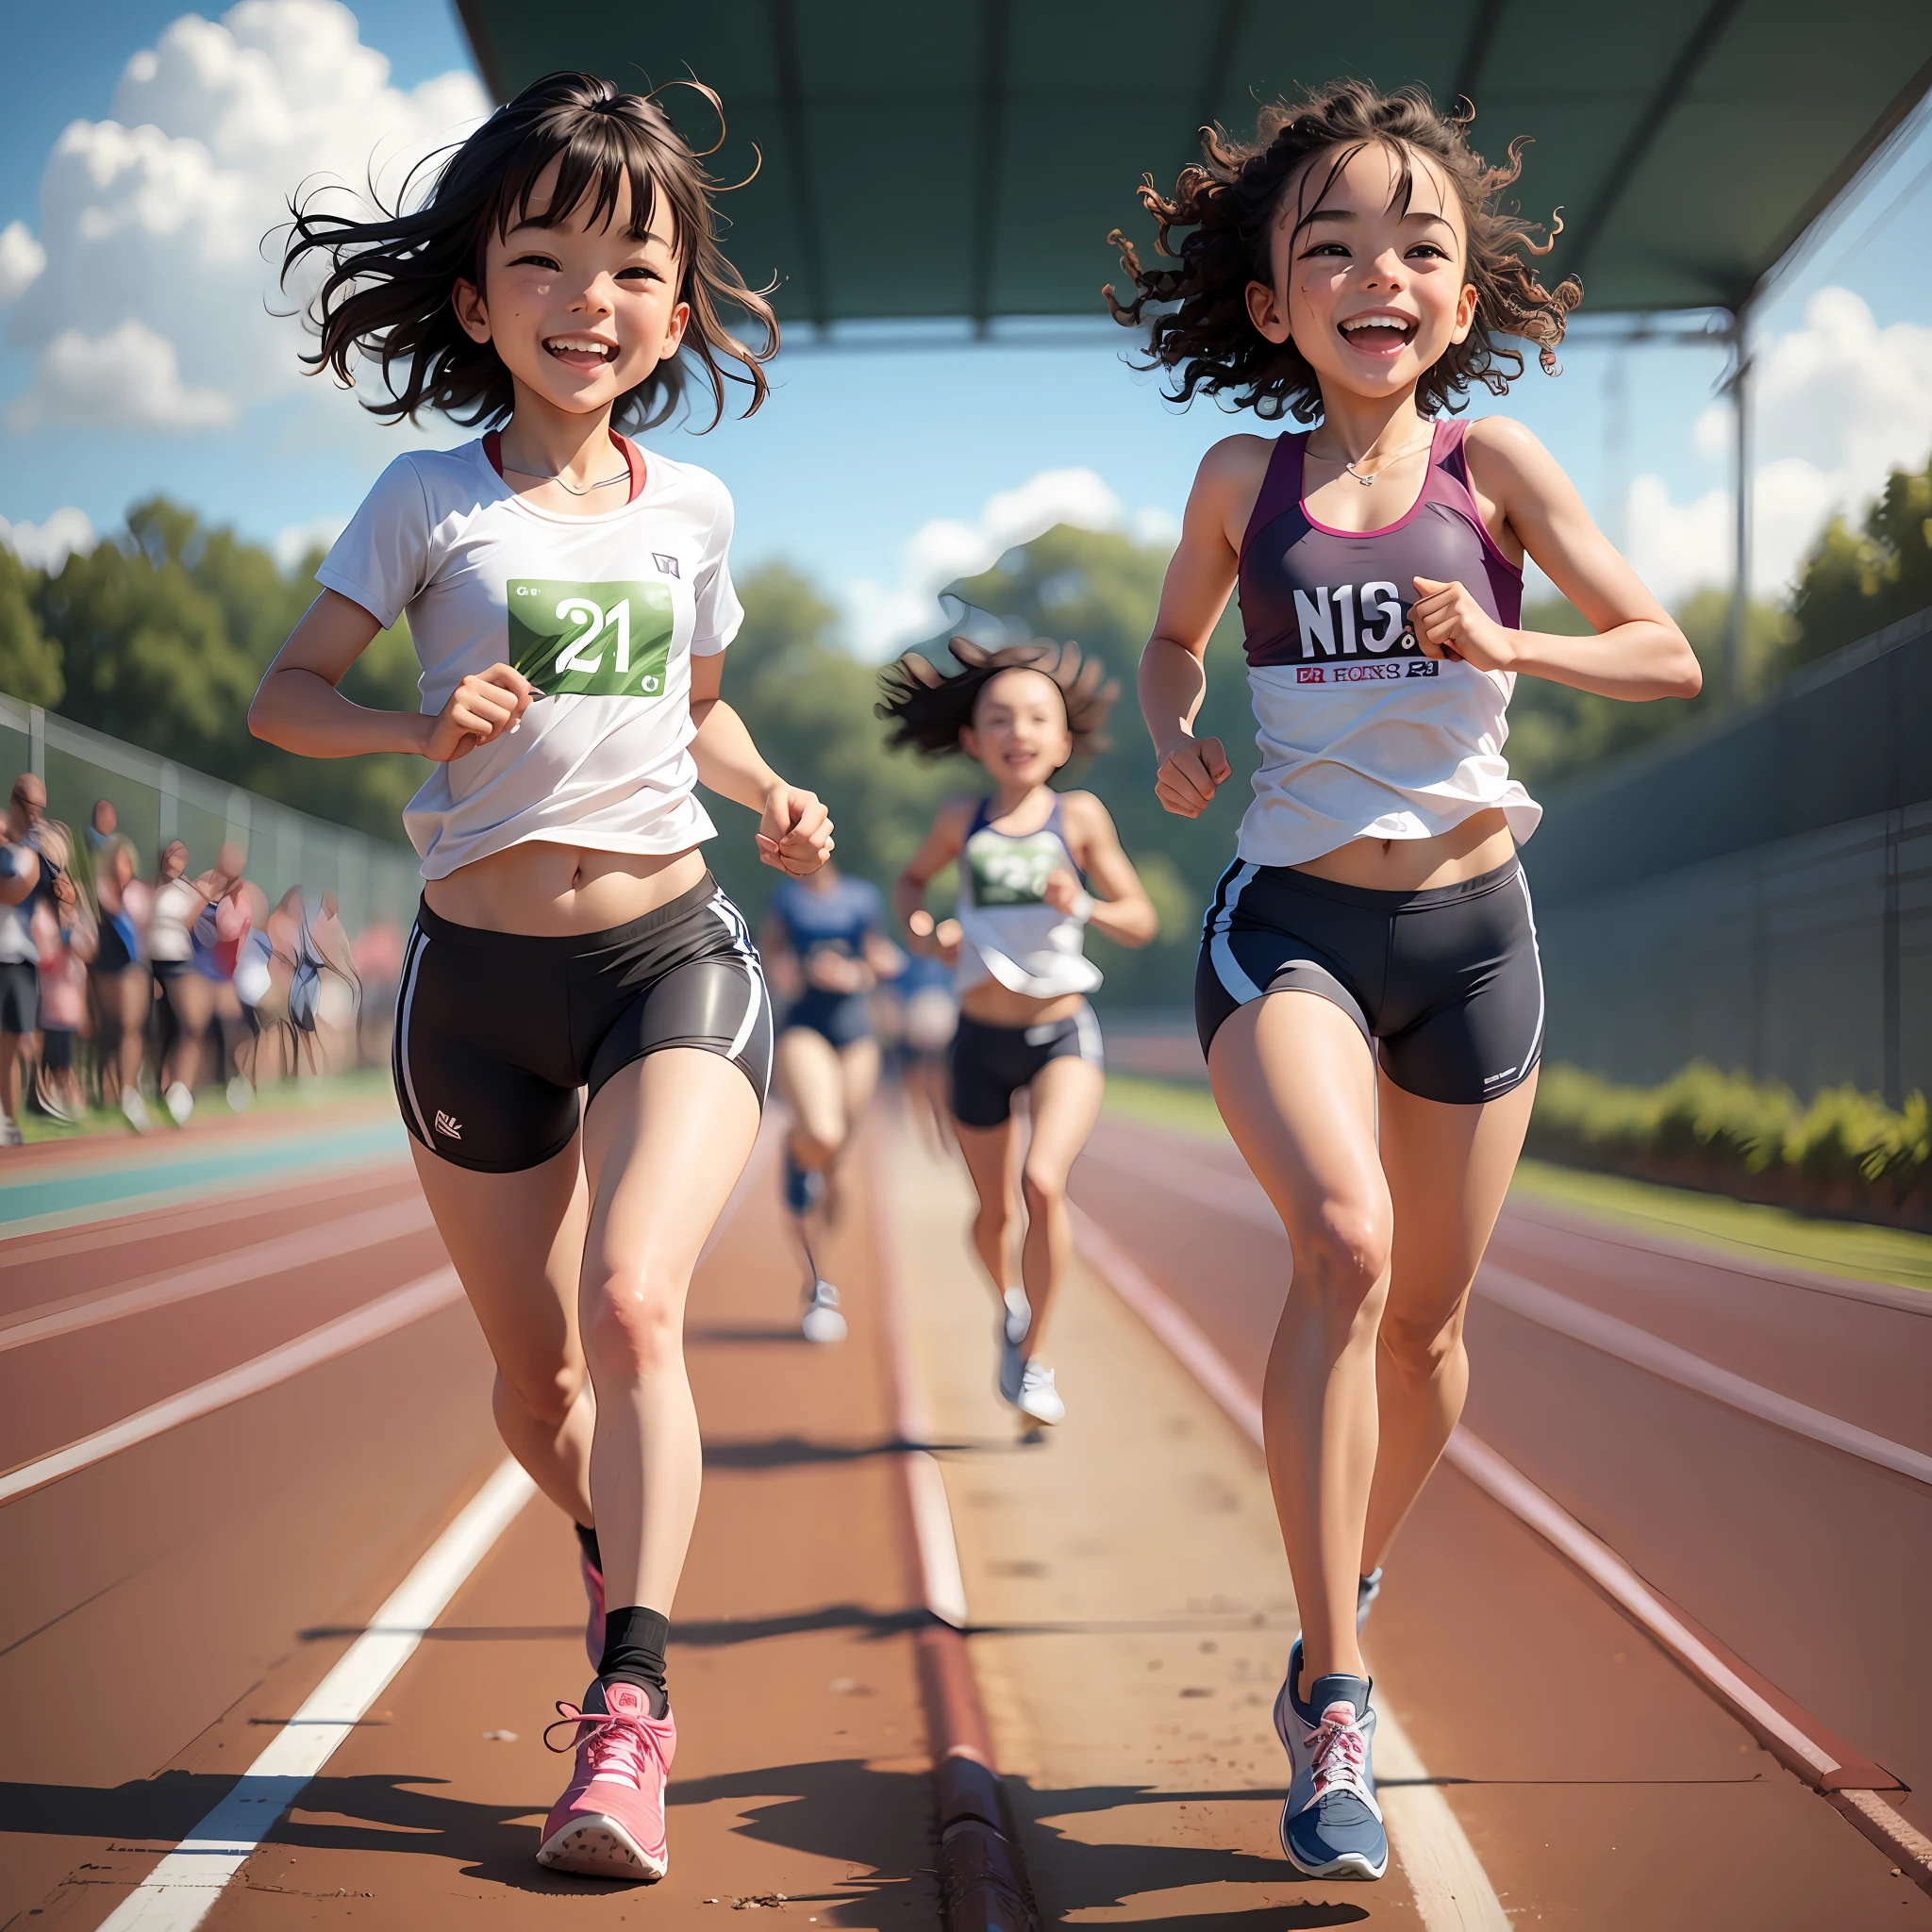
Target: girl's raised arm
{"x": 1124, "y": 911}
{"x": 299, "y": 707}
{"x": 1173, "y": 680}
{"x": 1637, "y": 651}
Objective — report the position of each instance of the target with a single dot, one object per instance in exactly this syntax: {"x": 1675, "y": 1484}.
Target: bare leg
{"x": 664, "y": 1144}
{"x": 989, "y": 1158}
{"x": 811, "y": 1083}
{"x": 1448, "y": 1169}
{"x": 10, "y": 1074}
{"x": 517, "y": 1241}
{"x": 1296, "y": 1086}
{"x": 1066, "y": 1096}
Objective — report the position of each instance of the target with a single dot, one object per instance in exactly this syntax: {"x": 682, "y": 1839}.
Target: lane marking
{"x": 381, "y": 1317}
{"x": 328, "y": 1241}
{"x": 1453, "y": 1892}
{"x": 1610, "y": 1335}
{"x": 181, "y": 1891}
{"x": 1229, "y": 1194}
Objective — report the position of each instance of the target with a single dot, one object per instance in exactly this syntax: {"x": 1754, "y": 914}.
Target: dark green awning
{"x": 968, "y": 159}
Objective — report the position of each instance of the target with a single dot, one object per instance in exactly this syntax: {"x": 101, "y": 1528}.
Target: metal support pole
{"x": 1741, "y": 562}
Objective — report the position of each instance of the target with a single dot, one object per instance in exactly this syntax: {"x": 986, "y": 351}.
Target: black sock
{"x": 586, "y": 1541}
{"x": 634, "y": 1640}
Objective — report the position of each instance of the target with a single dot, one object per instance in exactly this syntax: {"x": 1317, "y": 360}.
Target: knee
{"x": 539, "y": 1396}
{"x": 633, "y": 1323}
{"x": 1044, "y": 1190}
{"x": 1418, "y": 1347}
{"x": 990, "y": 1222}
{"x": 1342, "y": 1255}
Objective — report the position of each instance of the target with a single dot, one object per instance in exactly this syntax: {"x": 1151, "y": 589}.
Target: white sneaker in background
{"x": 240, "y": 1094}
{"x": 822, "y": 1321}
{"x": 135, "y": 1109}
{"x": 1038, "y": 1397}
{"x": 181, "y": 1104}
{"x": 10, "y": 1133}
{"x": 1019, "y": 1316}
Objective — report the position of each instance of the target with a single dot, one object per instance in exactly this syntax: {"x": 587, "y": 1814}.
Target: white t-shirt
{"x": 602, "y": 613}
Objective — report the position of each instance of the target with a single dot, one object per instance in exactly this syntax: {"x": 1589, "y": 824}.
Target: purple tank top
{"x": 1318, "y": 597}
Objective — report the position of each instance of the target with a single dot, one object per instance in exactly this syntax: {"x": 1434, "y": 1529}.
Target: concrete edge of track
{"x": 1848, "y": 1781}
{"x": 983, "y": 1883}
{"x": 1453, "y": 1892}
{"x": 183, "y": 1888}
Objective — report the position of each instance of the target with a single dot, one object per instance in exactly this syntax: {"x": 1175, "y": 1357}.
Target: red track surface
{"x": 167, "y": 1607}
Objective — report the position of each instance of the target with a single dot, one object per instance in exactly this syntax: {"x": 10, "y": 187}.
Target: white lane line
{"x": 1229, "y": 1194}
{"x": 1609, "y": 1336}
{"x": 326, "y": 1241}
{"x": 381, "y": 1317}
{"x": 1453, "y": 1892}
{"x": 181, "y": 1891}
{"x": 1503, "y": 1480}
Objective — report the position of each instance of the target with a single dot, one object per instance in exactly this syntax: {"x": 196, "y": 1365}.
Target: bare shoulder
{"x": 1501, "y": 447}
{"x": 1234, "y": 464}
{"x": 1085, "y": 816}
{"x": 951, "y": 820}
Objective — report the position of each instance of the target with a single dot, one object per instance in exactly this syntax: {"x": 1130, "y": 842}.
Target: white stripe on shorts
{"x": 760, "y": 999}
{"x": 406, "y": 1001}
{"x": 1227, "y": 969}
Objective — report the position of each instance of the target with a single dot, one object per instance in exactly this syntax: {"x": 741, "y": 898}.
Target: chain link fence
{"x": 156, "y": 799}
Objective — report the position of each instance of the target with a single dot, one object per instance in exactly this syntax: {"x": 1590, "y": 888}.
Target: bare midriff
{"x": 554, "y": 891}
{"x": 1480, "y": 843}
{"x": 993, "y": 1004}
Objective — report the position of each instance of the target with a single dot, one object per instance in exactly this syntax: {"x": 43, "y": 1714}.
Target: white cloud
{"x": 48, "y": 544}
{"x": 21, "y": 258}
{"x": 126, "y": 379}
{"x": 1835, "y": 405}
{"x": 292, "y": 544}
{"x": 885, "y": 618}
{"x": 153, "y": 220}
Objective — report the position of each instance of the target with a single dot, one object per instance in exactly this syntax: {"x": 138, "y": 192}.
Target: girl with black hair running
{"x": 570, "y": 595}
{"x": 1027, "y": 856}
{"x": 825, "y": 949}
{"x": 1368, "y": 995}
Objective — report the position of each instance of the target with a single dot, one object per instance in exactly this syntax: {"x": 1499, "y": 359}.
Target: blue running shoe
{"x": 1367, "y": 1589}
{"x": 804, "y": 1187}
{"x": 1331, "y": 1825}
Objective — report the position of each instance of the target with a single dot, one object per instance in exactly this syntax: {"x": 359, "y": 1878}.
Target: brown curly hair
{"x": 929, "y": 707}
{"x": 387, "y": 294}
{"x": 1231, "y": 198}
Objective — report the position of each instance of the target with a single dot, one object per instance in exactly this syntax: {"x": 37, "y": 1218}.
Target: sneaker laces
{"x": 1036, "y": 1377}
{"x": 1340, "y": 1753}
{"x": 618, "y": 1746}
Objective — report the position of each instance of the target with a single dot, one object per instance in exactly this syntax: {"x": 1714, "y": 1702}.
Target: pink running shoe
{"x": 610, "y": 1823}
{"x": 593, "y": 1627}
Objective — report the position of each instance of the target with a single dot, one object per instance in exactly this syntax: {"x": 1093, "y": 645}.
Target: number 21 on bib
{"x": 606, "y": 641}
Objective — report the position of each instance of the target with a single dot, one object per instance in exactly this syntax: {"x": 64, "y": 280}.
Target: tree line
{"x": 160, "y": 634}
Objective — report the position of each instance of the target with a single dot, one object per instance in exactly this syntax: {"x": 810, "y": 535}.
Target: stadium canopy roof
{"x": 967, "y": 157}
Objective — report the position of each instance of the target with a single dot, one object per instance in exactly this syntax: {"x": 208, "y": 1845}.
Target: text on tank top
{"x": 1360, "y": 734}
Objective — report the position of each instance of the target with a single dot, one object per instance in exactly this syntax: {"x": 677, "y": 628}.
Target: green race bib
{"x": 606, "y": 640}
{"x": 1012, "y": 872}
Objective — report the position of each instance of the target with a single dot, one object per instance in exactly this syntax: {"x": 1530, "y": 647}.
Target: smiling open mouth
{"x": 1377, "y": 335}
{"x": 581, "y": 352}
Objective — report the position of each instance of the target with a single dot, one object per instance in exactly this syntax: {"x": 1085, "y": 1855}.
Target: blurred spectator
{"x": 220, "y": 933}
{"x": 24, "y": 882}
{"x": 378, "y": 956}
{"x": 324, "y": 994}
{"x": 123, "y": 995}
{"x": 101, "y": 828}
{"x": 64, "y": 936}
{"x": 185, "y": 995}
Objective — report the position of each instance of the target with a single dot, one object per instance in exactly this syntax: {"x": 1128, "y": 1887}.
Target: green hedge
{"x": 1846, "y": 1153}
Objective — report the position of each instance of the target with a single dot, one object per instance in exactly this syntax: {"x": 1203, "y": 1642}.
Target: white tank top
{"x": 1008, "y": 931}
{"x": 1361, "y": 736}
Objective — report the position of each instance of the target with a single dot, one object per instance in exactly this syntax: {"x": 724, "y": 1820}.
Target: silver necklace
{"x": 1349, "y": 470}
{"x": 557, "y": 477}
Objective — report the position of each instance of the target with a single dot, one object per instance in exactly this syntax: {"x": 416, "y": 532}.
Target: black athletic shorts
{"x": 840, "y": 1018}
{"x": 20, "y": 996}
{"x": 992, "y": 1063}
{"x": 1445, "y": 984}
{"x": 57, "y": 1049}
{"x": 496, "y": 1031}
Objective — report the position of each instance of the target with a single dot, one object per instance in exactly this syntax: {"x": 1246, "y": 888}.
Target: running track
{"x": 172, "y": 1599}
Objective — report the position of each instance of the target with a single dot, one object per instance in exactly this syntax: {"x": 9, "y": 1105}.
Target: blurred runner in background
{"x": 65, "y": 939}
{"x": 825, "y": 951}
{"x": 921, "y": 1013}
{"x": 1024, "y": 857}
{"x": 24, "y": 882}
{"x": 123, "y": 991}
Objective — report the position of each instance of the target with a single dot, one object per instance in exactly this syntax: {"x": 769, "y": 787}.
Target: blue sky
{"x": 880, "y": 472}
